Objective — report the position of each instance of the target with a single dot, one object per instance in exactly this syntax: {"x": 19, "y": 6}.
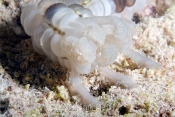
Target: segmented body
{"x": 70, "y": 33}
{"x": 75, "y": 38}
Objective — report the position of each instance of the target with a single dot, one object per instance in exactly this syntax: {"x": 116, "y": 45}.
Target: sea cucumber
{"x": 82, "y": 39}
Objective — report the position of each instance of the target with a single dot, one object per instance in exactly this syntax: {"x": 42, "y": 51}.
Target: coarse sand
{"x": 32, "y": 86}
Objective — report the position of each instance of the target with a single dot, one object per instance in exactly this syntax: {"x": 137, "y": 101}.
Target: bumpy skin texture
{"x": 70, "y": 34}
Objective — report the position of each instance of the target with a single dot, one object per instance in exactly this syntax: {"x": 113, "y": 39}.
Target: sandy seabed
{"x": 32, "y": 86}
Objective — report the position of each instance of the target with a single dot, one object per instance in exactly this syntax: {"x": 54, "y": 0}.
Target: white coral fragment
{"x": 81, "y": 42}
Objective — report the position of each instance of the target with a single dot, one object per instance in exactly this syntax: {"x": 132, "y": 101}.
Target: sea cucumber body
{"x": 73, "y": 41}
{"x": 71, "y": 35}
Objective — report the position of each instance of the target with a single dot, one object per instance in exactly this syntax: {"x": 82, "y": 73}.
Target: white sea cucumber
{"x": 73, "y": 34}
